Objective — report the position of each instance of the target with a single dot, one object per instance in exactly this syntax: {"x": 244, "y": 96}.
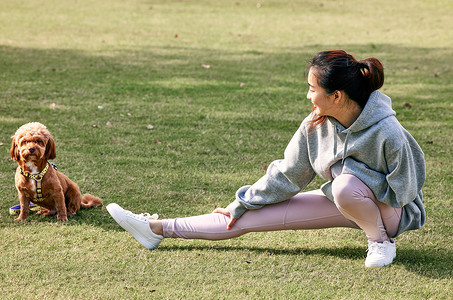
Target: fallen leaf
{"x": 100, "y": 107}
{"x": 205, "y": 66}
{"x": 108, "y": 123}
{"x": 176, "y": 36}
{"x": 159, "y": 142}
{"x": 241, "y": 84}
{"x": 407, "y": 105}
{"x": 150, "y": 127}
{"x": 52, "y": 105}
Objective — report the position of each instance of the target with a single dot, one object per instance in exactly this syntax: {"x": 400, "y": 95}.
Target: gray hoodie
{"x": 375, "y": 148}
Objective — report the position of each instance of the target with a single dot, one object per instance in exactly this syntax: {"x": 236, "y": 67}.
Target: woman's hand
{"x": 226, "y": 213}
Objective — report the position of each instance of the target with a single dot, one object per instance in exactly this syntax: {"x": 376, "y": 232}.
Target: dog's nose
{"x": 32, "y": 149}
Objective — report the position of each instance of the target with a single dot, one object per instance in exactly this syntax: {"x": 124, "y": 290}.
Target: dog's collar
{"x": 36, "y": 176}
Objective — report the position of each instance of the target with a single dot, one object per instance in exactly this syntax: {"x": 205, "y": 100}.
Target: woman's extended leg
{"x": 309, "y": 210}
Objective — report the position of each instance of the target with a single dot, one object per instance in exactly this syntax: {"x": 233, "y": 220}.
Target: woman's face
{"x": 322, "y": 102}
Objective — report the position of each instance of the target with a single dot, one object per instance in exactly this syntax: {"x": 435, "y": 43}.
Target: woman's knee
{"x": 348, "y": 189}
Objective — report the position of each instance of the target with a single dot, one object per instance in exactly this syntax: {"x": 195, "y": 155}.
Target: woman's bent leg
{"x": 309, "y": 210}
{"x": 358, "y": 203}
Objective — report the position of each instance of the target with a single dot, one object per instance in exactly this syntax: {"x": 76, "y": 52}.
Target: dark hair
{"x": 337, "y": 70}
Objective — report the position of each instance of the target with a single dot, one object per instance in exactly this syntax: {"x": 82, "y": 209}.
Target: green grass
{"x": 97, "y": 73}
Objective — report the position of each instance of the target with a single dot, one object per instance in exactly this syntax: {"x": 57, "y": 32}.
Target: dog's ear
{"x": 14, "y": 150}
{"x": 51, "y": 152}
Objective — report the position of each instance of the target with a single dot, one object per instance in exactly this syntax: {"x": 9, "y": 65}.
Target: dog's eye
{"x": 39, "y": 142}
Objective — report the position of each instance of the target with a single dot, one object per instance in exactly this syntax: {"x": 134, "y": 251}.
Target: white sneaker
{"x": 380, "y": 254}
{"x": 137, "y": 225}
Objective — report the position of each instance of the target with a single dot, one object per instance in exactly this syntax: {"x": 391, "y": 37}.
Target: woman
{"x": 374, "y": 167}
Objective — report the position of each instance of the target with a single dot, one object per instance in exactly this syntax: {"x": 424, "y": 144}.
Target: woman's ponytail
{"x": 373, "y": 73}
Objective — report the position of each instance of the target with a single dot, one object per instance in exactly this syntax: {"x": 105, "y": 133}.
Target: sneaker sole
{"x": 373, "y": 265}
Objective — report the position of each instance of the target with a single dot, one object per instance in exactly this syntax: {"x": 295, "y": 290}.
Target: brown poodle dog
{"x": 37, "y": 180}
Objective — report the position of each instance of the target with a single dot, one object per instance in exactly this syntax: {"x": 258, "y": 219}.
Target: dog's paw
{"x": 47, "y": 212}
{"x": 62, "y": 218}
{"x": 71, "y": 213}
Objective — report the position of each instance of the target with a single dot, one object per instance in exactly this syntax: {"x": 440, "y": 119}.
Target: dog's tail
{"x": 90, "y": 201}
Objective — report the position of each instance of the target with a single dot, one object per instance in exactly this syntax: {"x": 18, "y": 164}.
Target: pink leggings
{"x": 354, "y": 206}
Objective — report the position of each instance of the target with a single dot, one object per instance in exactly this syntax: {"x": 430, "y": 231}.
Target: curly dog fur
{"x": 32, "y": 147}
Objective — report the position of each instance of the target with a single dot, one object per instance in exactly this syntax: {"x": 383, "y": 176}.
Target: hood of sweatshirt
{"x": 378, "y": 107}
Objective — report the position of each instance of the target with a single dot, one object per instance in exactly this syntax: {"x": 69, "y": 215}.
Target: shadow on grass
{"x": 70, "y": 78}
{"x": 438, "y": 264}
{"x": 340, "y": 252}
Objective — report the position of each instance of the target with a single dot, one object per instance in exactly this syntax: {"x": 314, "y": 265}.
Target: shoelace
{"x": 143, "y": 216}
{"x": 378, "y": 248}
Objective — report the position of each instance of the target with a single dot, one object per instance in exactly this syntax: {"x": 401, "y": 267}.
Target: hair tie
{"x": 364, "y": 70}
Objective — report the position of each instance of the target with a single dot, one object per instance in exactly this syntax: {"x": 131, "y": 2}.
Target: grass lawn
{"x": 170, "y": 106}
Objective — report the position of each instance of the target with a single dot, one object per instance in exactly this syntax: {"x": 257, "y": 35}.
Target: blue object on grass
{"x": 14, "y": 210}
